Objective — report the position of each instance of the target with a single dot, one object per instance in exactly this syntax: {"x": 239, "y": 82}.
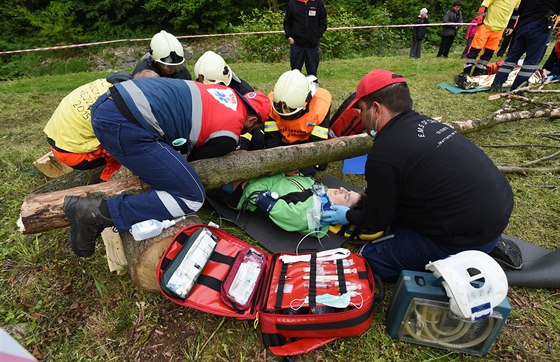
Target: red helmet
{"x": 258, "y": 102}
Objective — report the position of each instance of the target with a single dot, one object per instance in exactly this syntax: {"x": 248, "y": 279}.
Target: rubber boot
{"x": 86, "y": 223}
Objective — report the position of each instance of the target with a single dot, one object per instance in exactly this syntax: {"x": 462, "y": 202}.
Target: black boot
{"x": 496, "y": 88}
{"x": 507, "y": 253}
{"x": 462, "y": 81}
{"x": 478, "y": 71}
{"x": 86, "y": 223}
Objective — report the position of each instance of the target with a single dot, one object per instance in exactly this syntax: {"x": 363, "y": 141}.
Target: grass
{"x": 64, "y": 308}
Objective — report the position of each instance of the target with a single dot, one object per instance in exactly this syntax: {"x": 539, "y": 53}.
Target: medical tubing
{"x": 464, "y": 328}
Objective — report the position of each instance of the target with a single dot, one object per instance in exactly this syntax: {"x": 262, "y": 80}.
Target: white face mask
{"x": 335, "y": 301}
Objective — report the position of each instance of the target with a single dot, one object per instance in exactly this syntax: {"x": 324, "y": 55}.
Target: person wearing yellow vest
{"x": 70, "y": 134}
{"x": 69, "y": 131}
{"x": 494, "y": 16}
{"x": 300, "y": 111}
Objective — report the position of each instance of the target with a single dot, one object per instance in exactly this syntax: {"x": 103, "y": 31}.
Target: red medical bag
{"x": 286, "y": 295}
{"x": 346, "y": 121}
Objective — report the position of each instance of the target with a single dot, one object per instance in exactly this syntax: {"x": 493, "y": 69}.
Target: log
{"x": 246, "y": 165}
{"x": 42, "y": 212}
{"x": 243, "y": 165}
{"x": 50, "y": 166}
{"x": 143, "y": 256}
{"x": 503, "y": 117}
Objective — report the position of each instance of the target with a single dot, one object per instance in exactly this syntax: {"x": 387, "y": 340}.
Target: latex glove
{"x": 337, "y": 215}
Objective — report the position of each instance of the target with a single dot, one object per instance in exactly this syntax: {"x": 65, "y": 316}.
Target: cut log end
{"x": 143, "y": 256}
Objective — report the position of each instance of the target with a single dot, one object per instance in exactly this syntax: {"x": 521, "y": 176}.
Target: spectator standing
{"x": 304, "y": 24}
{"x": 419, "y": 34}
{"x": 449, "y": 32}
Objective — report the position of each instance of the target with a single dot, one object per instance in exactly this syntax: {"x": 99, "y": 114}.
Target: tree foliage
{"x": 40, "y": 23}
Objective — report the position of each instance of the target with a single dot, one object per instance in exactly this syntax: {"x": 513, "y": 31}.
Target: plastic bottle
{"x": 149, "y": 228}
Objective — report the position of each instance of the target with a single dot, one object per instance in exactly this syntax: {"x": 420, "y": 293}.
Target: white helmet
{"x": 291, "y": 93}
{"x": 166, "y": 49}
{"x": 474, "y": 282}
{"x": 211, "y": 68}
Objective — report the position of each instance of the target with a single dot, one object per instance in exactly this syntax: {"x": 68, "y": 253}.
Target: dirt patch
{"x": 168, "y": 339}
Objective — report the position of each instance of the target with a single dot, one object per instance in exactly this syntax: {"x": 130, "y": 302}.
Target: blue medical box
{"x": 419, "y": 313}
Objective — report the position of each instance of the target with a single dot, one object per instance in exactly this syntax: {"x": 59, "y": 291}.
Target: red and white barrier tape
{"x": 223, "y": 34}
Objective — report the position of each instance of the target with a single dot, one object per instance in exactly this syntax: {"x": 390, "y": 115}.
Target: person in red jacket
{"x": 469, "y": 35}
{"x": 146, "y": 124}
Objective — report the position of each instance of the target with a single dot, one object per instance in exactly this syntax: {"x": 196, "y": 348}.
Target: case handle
{"x": 300, "y": 346}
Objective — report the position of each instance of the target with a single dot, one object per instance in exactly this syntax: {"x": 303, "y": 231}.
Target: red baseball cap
{"x": 258, "y": 102}
{"x": 373, "y": 81}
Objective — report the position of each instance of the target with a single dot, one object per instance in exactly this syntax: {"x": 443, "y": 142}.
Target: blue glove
{"x": 336, "y": 216}
{"x": 266, "y": 200}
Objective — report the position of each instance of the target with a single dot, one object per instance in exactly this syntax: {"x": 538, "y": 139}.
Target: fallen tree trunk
{"x": 42, "y": 212}
{"x": 503, "y": 117}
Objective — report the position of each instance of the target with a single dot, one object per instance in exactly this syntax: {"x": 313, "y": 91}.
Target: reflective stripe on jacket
{"x": 302, "y": 128}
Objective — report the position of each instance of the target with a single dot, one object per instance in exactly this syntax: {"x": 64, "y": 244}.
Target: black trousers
{"x": 446, "y": 42}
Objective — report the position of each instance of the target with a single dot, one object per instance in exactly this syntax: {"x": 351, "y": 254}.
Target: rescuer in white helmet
{"x": 166, "y": 57}
{"x": 300, "y": 111}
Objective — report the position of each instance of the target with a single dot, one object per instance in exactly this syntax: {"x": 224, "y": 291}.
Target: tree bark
{"x": 42, "y": 212}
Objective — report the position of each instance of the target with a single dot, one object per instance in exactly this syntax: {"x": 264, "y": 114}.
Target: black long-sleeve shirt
{"x": 437, "y": 181}
{"x": 305, "y": 22}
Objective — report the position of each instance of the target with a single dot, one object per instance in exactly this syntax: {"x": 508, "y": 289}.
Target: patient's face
{"x": 343, "y": 197}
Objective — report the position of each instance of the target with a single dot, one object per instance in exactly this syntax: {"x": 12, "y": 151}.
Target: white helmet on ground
{"x": 166, "y": 49}
{"x": 474, "y": 282}
{"x": 291, "y": 93}
{"x": 211, "y": 68}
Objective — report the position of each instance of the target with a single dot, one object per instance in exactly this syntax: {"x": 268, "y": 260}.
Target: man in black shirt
{"x": 439, "y": 193}
{"x": 304, "y": 24}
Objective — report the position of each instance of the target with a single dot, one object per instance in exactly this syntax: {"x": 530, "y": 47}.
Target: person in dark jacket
{"x": 418, "y": 34}
{"x": 439, "y": 193}
{"x": 304, "y": 24}
{"x": 449, "y": 32}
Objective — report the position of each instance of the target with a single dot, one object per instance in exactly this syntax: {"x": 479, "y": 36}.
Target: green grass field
{"x": 62, "y": 308}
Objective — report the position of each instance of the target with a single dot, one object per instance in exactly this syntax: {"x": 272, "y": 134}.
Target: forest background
{"x": 34, "y": 24}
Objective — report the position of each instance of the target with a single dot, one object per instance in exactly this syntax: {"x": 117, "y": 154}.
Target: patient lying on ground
{"x": 292, "y": 202}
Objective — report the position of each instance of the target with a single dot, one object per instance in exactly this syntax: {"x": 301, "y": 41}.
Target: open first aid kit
{"x": 301, "y": 301}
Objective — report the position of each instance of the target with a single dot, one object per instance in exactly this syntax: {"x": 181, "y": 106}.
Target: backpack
{"x": 241, "y": 281}
{"x": 346, "y": 121}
